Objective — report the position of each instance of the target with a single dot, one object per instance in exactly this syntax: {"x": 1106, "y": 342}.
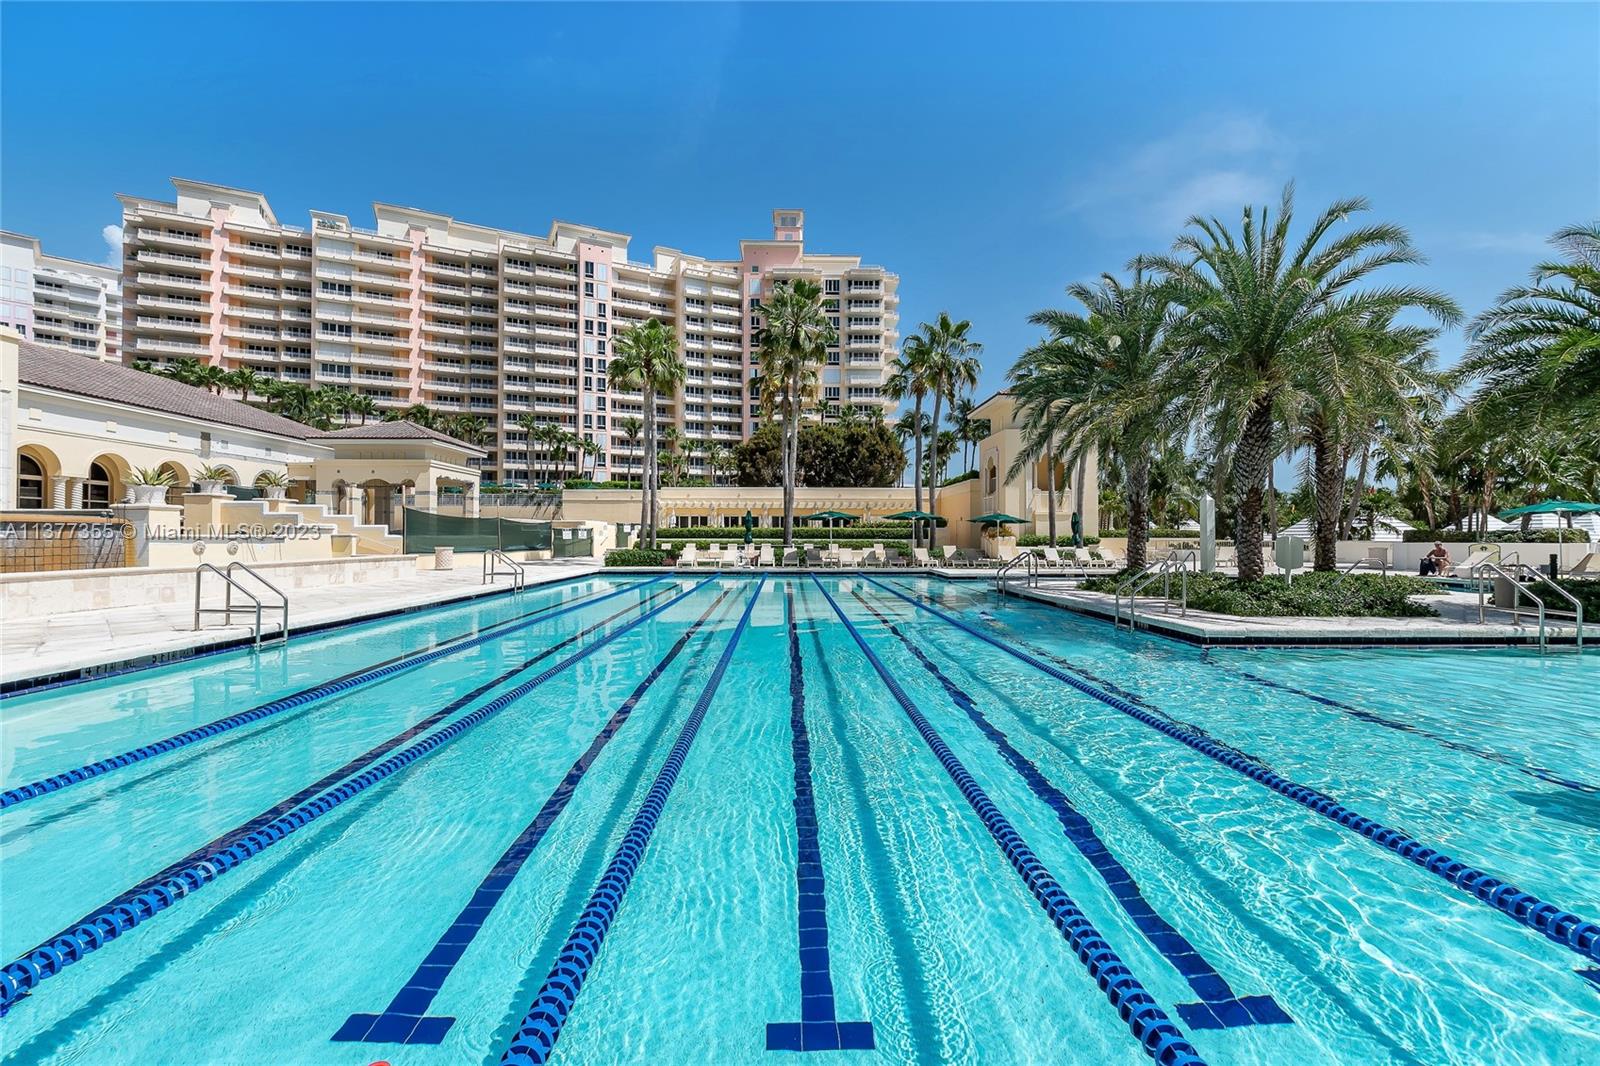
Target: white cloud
{"x": 1213, "y": 165}
{"x": 1524, "y": 242}
{"x": 113, "y": 239}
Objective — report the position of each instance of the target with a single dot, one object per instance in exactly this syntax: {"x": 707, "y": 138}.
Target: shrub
{"x": 970, "y": 475}
{"x": 1315, "y": 595}
{"x": 1063, "y": 540}
{"x": 1508, "y": 536}
{"x": 1588, "y": 593}
{"x": 1167, "y": 532}
{"x": 636, "y": 557}
{"x": 149, "y": 475}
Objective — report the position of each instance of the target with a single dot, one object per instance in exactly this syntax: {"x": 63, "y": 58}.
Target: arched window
{"x": 993, "y": 479}
{"x": 30, "y": 483}
{"x": 97, "y": 490}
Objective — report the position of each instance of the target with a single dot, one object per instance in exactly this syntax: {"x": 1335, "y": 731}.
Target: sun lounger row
{"x": 741, "y": 556}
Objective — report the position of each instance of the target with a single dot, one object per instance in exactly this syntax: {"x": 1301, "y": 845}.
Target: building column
{"x": 58, "y": 492}
{"x": 358, "y": 503}
{"x": 471, "y": 501}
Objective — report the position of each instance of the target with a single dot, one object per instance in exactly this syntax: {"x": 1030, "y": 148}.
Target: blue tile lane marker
{"x": 819, "y": 1028}
{"x": 13, "y": 796}
{"x": 1559, "y": 925}
{"x": 405, "y": 1020}
{"x": 23, "y": 975}
{"x": 541, "y": 1027}
{"x": 1160, "y": 1038}
{"x": 354, "y": 766}
{"x": 1221, "y": 1007}
{"x": 1535, "y": 771}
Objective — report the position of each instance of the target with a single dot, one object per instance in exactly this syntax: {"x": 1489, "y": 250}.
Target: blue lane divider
{"x": 1220, "y": 1006}
{"x": 406, "y": 1020}
{"x": 359, "y": 763}
{"x": 23, "y": 975}
{"x": 1539, "y": 773}
{"x": 819, "y": 1027}
{"x": 1559, "y": 925}
{"x": 541, "y": 1027}
{"x": 13, "y": 796}
{"x": 1149, "y": 1024}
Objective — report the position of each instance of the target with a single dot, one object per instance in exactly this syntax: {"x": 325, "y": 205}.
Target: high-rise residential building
{"x": 476, "y": 320}
{"x": 63, "y": 303}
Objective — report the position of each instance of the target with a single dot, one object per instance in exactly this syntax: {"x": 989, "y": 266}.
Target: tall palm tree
{"x": 961, "y": 418}
{"x": 794, "y": 345}
{"x": 418, "y": 413}
{"x": 209, "y": 376}
{"x": 1100, "y": 382}
{"x": 908, "y": 376}
{"x": 646, "y": 357}
{"x": 363, "y": 405}
{"x": 952, "y": 368}
{"x": 631, "y": 428}
{"x": 1258, "y": 307}
{"x": 246, "y": 381}
{"x": 912, "y": 426}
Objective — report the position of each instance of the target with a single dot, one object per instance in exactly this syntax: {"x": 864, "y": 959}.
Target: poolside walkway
{"x": 43, "y": 647}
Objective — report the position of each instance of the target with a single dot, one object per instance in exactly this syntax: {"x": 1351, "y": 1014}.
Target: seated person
{"x": 1436, "y": 561}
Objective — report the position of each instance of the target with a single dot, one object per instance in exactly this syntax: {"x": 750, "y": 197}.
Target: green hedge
{"x": 870, "y": 531}
{"x": 970, "y": 475}
{"x": 1588, "y": 593}
{"x": 1314, "y": 595}
{"x": 636, "y": 557}
{"x": 902, "y": 546}
{"x": 1510, "y": 536}
{"x": 1166, "y": 532}
{"x": 1063, "y": 540}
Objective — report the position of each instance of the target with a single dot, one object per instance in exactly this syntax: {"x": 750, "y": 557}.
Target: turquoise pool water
{"x": 734, "y": 820}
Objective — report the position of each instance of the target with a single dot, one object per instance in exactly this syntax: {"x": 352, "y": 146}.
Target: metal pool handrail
{"x": 1515, "y": 572}
{"x": 1025, "y": 559}
{"x": 1175, "y": 560}
{"x": 492, "y": 558}
{"x": 227, "y": 609}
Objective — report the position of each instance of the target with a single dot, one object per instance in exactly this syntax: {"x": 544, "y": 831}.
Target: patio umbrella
{"x": 830, "y": 517}
{"x": 749, "y": 523}
{"x": 1566, "y": 507}
{"x": 911, "y": 516}
{"x": 996, "y": 518}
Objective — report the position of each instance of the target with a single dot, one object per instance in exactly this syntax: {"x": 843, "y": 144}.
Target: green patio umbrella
{"x": 830, "y": 517}
{"x": 749, "y": 523}
{"x": 911, "y": 516}
{"x": 996, "y": 518}
{"x": 1566, "y": 507}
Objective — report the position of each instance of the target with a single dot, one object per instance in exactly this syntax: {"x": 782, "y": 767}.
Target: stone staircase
{"x": 348, "y": 536}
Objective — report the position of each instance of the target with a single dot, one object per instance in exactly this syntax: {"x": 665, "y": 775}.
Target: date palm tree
{"x": 908, "y": 376}
{"x": 1101, "y": 381}
{"x": 363, "y": 405}
{"x": 912, "y": 426}
{"x": 1258, "y": 307}
{"x": 952, "y": 368}
{"x": 246, "y": 381}
{"x": 646, "y": 357}
{"x": 794, "y": 344}
{"x": 631, "y": 427}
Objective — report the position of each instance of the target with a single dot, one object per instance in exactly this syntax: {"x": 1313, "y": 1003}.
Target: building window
{"x": 97, "y": 490}
{"x": 755, "y": 268}
{"x": 30, "y": 483}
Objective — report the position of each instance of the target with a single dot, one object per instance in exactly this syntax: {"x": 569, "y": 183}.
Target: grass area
{"x": 1315, "y": 595}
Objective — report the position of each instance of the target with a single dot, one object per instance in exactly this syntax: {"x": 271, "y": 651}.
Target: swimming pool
{"x": 720, "y": 819}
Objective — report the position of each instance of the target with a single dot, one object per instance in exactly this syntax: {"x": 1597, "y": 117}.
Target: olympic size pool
{"x": 740, "y": 819}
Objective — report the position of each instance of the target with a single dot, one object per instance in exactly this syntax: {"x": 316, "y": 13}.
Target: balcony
{"x": 157, "y": 344}
{"x": 188, "y": 262}
{"x": 167, "y": 281}
{"x": 242, "y": 311}
{"x": 569, "y": 274}
{"x": 382, "y": 341}
{"x": 172, "y": 325}
{"x": 245, "y": 270}
{"x": 171, "y": 238}
{"x": 155, "y": 300}
{"x": 551, "y": 290}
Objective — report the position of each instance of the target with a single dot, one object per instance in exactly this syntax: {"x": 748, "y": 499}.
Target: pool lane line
{"x": 406, "y": 1020}
{"x": 541, "y": 1027}
{"x": 1220, "y": 1006}
{"x": 23, "y": 975}
{"x": 379, "y": 672}
{"x": 278, "y": 722}
{"x": 1533, "y": 770}
{"x": 1149, "y": 1024}
{"x": 355, "y": 765}
{"x": 1561, "y": 926}
{"x": 819, "y": 1027}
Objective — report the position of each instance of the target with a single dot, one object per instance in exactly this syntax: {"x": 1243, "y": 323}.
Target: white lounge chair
{"x": 1050, "y": 559}
{"x": 1477, "y": 555}
{"x": 764, "y": 557}
{"x": 974, "y": 558}
{"x": 920, "y": 557}
{"x": 1588, "y": 566}
{"x": 688, "y": 556}
{"x": 711, "y": 557}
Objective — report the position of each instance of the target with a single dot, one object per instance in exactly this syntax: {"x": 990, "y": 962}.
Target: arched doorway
{"x": 181, "y": 482}
{"x": 378, "y": 507}
{"x": 30, "y": 483}
{"x": 97, "y": 488}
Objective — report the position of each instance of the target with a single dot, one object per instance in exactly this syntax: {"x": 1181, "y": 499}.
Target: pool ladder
{"x": 493, "y": 559}
{"x": 1028, "y": 560}
{"x": 231, "y": 585}
{"x": 1176, "y": 562}
{"x": 1516, "y": 572}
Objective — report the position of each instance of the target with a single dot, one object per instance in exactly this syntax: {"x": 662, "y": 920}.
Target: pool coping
{"x": 29, "y": 684}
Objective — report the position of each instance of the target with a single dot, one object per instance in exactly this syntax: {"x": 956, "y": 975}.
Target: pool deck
{"x": 72, "y": 645}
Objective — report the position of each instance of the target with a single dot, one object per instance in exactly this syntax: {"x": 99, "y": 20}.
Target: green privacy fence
{"x": 427, "y": 530}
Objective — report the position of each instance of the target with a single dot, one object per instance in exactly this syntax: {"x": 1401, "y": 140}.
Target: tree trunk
{"x": 1359, "y": 489}
{"x": 916, "y": 460}
{"x": 1050, "y": 473}
{"x": 933, "y": 482}
{"x": 1138, "y": 512}
{"x": 1250, "y": 462}
{"x": 1078, "y": 490}
{"x": 646, "y": 493}
{"x": 1329, "y": 482}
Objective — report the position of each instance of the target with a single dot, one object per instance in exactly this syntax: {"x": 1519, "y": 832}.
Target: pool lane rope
{"x": 541, "y": 1027}
{"x": 13, "y": 796}
{"x": 1161, "y": 1039}
{"x": 1561, "y": 926}
{"x": 22, "y": 976}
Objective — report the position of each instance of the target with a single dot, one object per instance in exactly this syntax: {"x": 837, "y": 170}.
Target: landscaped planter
{"x": 275, "y": 492}
{"x": 149, "y": 494}
{"x": 210, "y": 488}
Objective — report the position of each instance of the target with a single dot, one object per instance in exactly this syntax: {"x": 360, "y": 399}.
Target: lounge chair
{"x": 791, "y": 556}
{"x": 919, "y": 557}
{"x": 813, "y": 558}
{"x": 712, "y": 556}
{"x": 1050, "y": 559}
{"x": 765, "y": 557}
{"x": 893, "y": 558}
{"x": 972, "y": 557}
{"x": 1477, "y": 555}
{"x": 1588, "y": 566}
{"x": 688, "y": 557}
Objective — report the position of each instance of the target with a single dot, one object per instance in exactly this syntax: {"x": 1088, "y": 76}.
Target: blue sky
{"x": 988, "y": 154}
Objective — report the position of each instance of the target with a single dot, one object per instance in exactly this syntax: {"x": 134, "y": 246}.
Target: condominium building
{"x": 58, "y": 302}
{"x": 470, "y": 319}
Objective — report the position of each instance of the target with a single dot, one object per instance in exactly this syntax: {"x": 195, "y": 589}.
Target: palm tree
{"x": 246, "y": 381}
{"x": 418, "y": 414}
{"x": 631, "y": 428}
{"x": 646, "y": 357}
{"x": 952, "y": 368}
{"x": 1099, "y": 382}
{"x": 469, "y": 428}
{"x": 362, "y": 404}
{"x": 911, "y": 426}
{"x": 211, "y": 377}
{"x": 961, "y": 418}
{"x": 794, "y": 343}
{"x": 908, "y": 376}
{"x": 1258, "y": 307}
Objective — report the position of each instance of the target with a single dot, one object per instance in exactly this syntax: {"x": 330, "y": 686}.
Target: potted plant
{"x": 210, "y": 479}
{"x": 150, "y": 484}
{"x": 274, "y": 484}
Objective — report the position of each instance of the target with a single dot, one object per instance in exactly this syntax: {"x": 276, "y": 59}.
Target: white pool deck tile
{"x": 38, "y": 647}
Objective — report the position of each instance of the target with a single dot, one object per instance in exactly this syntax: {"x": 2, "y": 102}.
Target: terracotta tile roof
{"x": 50, "y": 368}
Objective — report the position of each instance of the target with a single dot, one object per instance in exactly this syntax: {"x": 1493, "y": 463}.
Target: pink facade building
{"x": 474, "y": 320}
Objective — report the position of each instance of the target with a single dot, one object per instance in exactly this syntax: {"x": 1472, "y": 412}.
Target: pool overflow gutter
{"x": 1559, "y": 925}
{"x": 21, "y": 976}
{"x": 377, "y": 673}
{"x": 1161, "y": 1039}
{"x": 541, "y": 1027}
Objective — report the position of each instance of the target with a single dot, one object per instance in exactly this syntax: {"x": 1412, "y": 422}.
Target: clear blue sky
{"x": 988, "y": 154}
